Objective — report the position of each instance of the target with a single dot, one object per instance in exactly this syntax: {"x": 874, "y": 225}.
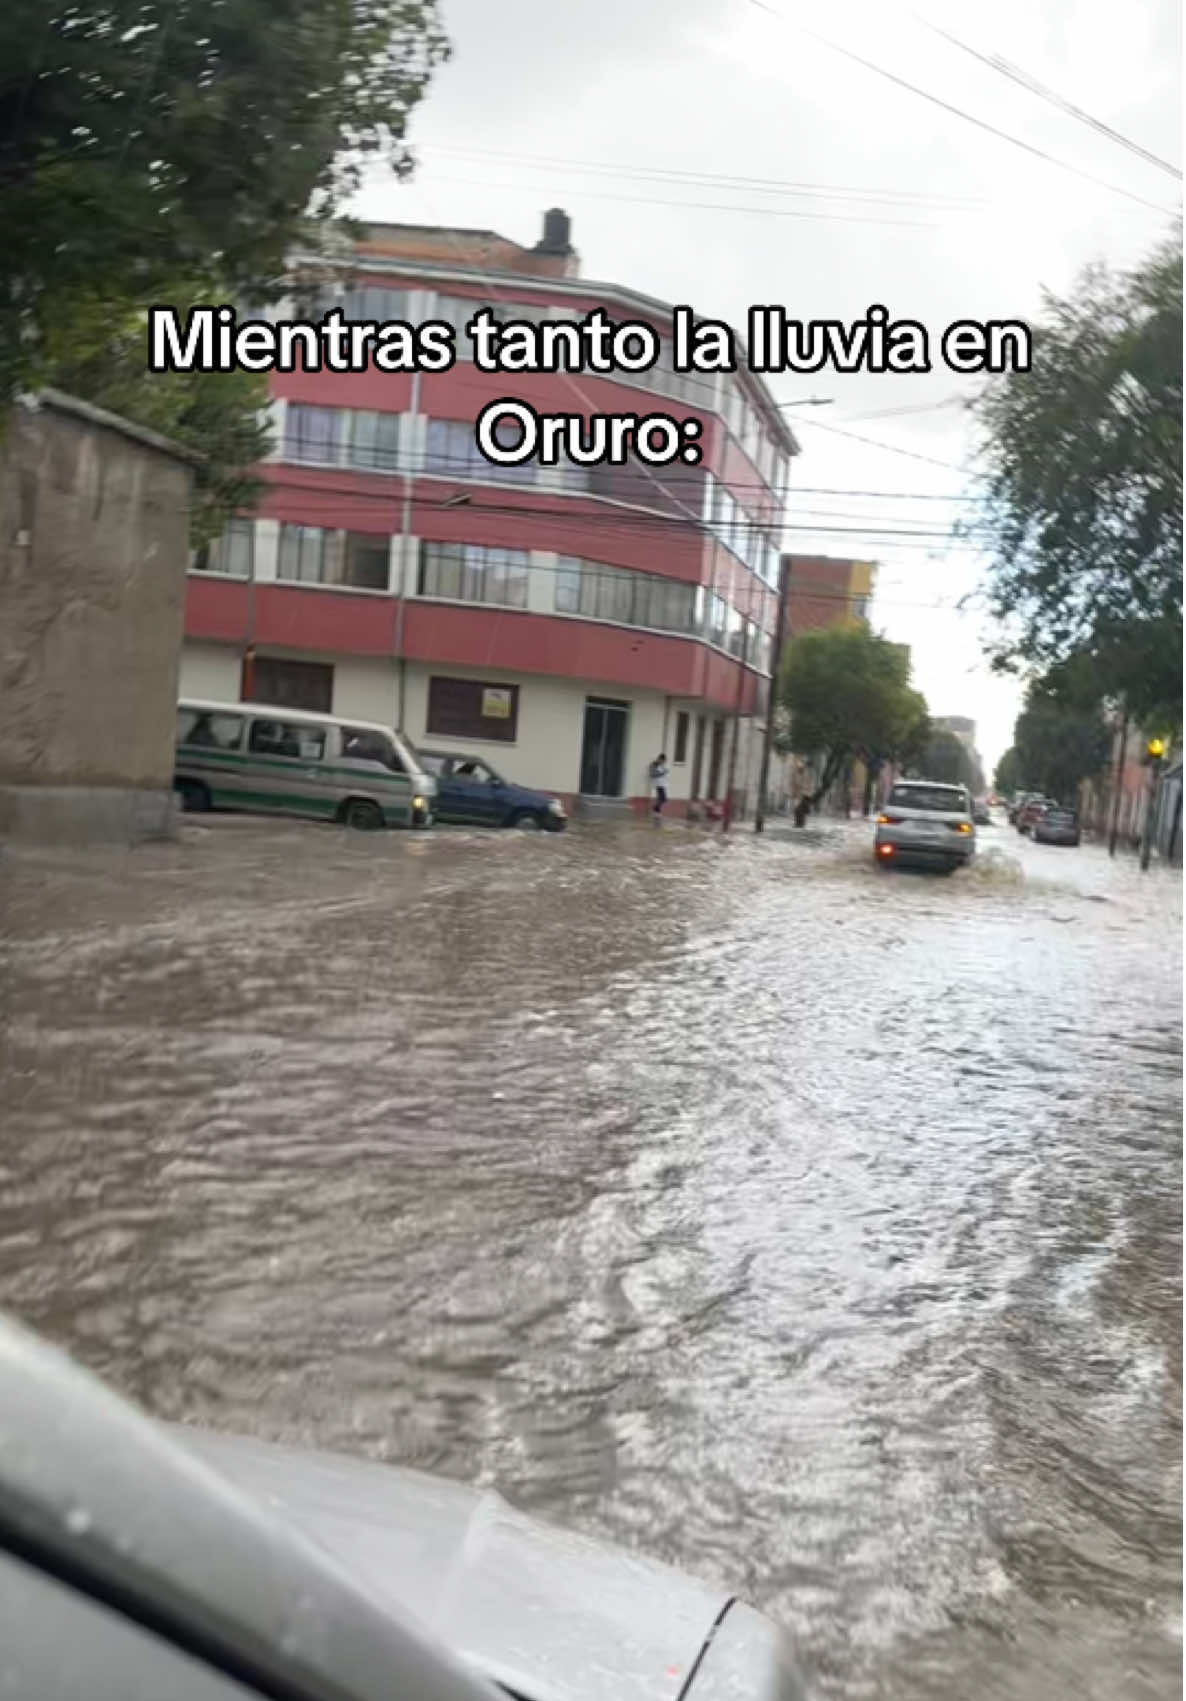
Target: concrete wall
{"x": 94, "y": 518}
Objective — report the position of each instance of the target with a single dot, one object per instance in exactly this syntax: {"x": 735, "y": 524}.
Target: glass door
{"x": 603, "y": 747}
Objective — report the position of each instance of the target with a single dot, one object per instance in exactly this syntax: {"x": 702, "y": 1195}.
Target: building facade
{"x": 827, "y": 589}
{"x": 567, "y": 623}
{"x": 960, "y": 727}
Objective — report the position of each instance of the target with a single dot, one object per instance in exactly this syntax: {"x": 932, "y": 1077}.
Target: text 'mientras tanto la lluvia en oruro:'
{"x": 212, "y": 339}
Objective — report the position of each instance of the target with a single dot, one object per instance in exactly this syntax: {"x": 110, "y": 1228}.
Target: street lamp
{"x": 1155, "y": 756}
{"x": 806, "y": 402}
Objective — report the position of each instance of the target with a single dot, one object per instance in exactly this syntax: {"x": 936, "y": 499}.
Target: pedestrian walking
{"x": 657, "y": 773}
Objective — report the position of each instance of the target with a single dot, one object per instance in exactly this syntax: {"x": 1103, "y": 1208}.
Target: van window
{"x": 363, "y": 745}
{"x": 287, "y": 738}
{"x": 213, "y": 732}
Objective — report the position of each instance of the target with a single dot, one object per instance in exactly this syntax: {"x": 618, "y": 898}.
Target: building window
{"x": 457, "y": 310}
{"x": 232, "y": 554}
{"x": 474, "y": 572}
{"x": 312, "y": 555}
{"x": 293, "y": 684}
{"x": 365, "y": 560}
{"x": 600, "y": 592}
{"x": 472, "y": 708}
{"x": 568, "y": 586}
{"x": 681, "y": 737}
{"x": 373, "y": 441}
{"x": 313, "y": 434}
{"x": 451, "y": 451}
{"x": 450, "y": 448}
{"x": 372, "y": 301}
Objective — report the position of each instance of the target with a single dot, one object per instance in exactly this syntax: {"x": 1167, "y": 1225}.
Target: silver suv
{"x": 926, "y": 824}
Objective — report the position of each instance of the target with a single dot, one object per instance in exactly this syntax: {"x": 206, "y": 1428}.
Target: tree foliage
{"x": 848, "y": 694}
{"x": 947, "y": 758}
{"x": 97, "y": 351}
{"x": 144, "y": 142}
{"x": 1007, "y": 777}
{"x": 1058, "y": 747}
{"x": 1083, "y": 485}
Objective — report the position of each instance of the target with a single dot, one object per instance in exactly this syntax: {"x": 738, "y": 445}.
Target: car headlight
{"x": 418, "y": 803}
{"x": 555, "y": 807}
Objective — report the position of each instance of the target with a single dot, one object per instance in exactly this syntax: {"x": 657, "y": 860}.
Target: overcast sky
{"x": 859, "y": 191}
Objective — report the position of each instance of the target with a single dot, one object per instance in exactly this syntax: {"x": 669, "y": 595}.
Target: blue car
{"x": 470, "y": 792}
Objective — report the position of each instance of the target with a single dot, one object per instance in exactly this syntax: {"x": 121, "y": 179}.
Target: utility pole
{"x": 406, "y": 454}
{"x": 780, "y": 632}
{"x": 1155, "y": 751}
{"x": 731, "y": 775}
{"x": 1121, "y": 760}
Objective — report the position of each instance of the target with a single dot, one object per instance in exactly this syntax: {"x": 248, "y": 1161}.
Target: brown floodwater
{"x": 814, "y": 1228}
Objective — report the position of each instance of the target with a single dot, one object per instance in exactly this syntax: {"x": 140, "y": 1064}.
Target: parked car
{"x": 271, "y": 760}
{"x": 471, "y": 792}
{"x": 1030, "y": 812}
{"x": 1057, "y": 826}
{"x": 139, "y": 1559}
{"x": 925, "y": 824}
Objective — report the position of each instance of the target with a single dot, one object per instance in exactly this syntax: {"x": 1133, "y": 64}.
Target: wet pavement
{"x": 815, "y": 1228}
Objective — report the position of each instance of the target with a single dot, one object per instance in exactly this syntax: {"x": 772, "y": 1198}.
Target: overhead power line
{"x": 712, "y": 180}
{"x": 1015, "y": 74}
{"x": 622, "y": 523}
{"x": 700, "y": 206}
{"x": 872, "y": 443}
{"x": 957, "y": 111}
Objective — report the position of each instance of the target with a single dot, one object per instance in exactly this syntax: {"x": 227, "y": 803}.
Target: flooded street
{"x": 811, "y": 1227}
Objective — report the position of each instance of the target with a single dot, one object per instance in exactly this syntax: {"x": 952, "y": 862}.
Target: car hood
{"x": 548, "y": 1615}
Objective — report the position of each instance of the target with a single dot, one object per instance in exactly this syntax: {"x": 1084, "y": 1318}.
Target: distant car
{"x": 1056, "y": 826}
{"x": 1031, "y": 812}
{"x": 981, "y": 816}
{"x": 472, "y": 793}
{"x": 925, "y": 824}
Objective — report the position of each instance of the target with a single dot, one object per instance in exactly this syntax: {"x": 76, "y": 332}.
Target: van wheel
{"x": 193, "y": 796}
{"x": 363, "y": 816}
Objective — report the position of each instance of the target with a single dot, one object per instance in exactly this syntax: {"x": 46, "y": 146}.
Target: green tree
{"x": 97, "y": 352}
{"x": 947, "y": 759}
{"x": 1008, "y": 777}
{"x": 144, "y": 142}
{"x": 847, "y": 695}
{"x": 1083, "y": 486}
{"x": 1059, "y": 747}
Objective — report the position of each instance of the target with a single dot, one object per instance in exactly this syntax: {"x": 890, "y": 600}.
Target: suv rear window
{"x": 947, "y": 799}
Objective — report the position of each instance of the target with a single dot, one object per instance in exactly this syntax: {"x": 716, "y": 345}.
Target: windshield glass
{"x": 947, "y": 799}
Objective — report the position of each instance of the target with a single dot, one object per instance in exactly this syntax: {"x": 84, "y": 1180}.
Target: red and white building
{"x": 567, "y": 623}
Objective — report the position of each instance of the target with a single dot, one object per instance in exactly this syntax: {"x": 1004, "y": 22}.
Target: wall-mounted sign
{"x": 496, "y": 704}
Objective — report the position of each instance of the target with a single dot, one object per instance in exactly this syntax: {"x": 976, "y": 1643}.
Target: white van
{"x": 260, "y": 757}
